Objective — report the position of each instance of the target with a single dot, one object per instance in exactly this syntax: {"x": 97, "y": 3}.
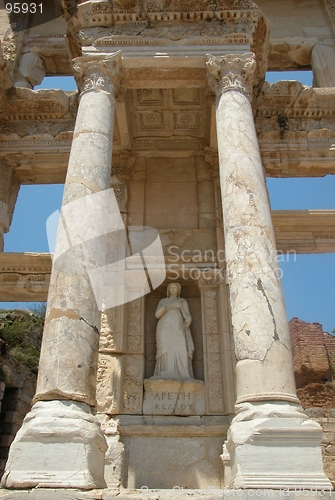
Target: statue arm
{"x": 186, "y": 313}
{"x": 161, "y": 309}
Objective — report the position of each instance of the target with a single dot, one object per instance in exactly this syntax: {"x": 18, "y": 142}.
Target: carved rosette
{"x": 231, "y": 72}
{"x": 99, "y": 73}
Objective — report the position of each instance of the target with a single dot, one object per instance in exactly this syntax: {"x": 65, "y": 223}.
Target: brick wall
{"x": 314, "y": 370}
{"x": 313, "y": 361}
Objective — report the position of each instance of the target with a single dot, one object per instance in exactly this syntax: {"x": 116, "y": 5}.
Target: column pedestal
{"x": 76, "y": 443}
{"x": 274, "y": 445}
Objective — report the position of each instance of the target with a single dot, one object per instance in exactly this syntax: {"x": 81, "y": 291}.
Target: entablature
{"x": 170, "y": 111}
{"x": 26, "y": 276}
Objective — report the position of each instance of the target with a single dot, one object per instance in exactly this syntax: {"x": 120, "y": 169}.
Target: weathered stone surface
{"x": 258, "y": 313}
{"x": 173, "y": 397}
{"x": 165, "y": 119}
{"x": 55, "y": 429}
{"x": 313, "y": 354}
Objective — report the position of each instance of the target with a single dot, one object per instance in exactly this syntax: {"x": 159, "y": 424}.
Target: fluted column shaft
{"x": 69, "y": 353}
{"x": 261, "y": 335}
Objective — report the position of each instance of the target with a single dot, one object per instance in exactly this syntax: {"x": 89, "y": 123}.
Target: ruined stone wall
{"x": 313, "y": 357}
{"x": 20, "y": 338}
{"x": 16, "y": 392}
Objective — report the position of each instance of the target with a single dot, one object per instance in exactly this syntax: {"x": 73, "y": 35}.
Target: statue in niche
{"x": 173, "y": 337}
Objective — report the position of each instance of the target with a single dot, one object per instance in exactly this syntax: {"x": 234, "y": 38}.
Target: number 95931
{"x": 23, "y": 8}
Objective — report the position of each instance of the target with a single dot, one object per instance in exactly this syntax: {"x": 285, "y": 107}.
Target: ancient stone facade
{"x": 164, "y": 152}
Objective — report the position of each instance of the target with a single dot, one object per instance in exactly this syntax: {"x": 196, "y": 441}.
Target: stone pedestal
{"x": 275, "y": 446}
{"x": 264, "y": 371}
{"x": 173, "y": 397}
{"x": 59, "y": 445}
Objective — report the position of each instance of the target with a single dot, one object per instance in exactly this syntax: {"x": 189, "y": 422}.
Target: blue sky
{"x": 308, "y": 280}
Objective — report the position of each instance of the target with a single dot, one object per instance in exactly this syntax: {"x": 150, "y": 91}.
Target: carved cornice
{"x": 10, "y": 53}
{"x": 289, "y": 99}
{"x": 98, "y": 73}
{"x": 119, "y": 12}
{"x": 212, "y": 278}
{"x": 25, "y": 104}
{"x": 231, "y": 72}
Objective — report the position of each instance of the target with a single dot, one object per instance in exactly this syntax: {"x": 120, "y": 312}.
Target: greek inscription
{"x": 170, "y": 396}
{"x": 174, "y": 407}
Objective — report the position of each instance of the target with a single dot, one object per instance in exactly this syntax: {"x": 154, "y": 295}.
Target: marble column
{"x": 61, "y": 416}
{"x": 9, "y": 188}
{"x": 265, "y": 440}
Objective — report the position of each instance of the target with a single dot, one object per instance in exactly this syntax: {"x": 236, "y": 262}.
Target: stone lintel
{"x": 45, "y": 162}
{"x": 304, "y": 231}
{"x": 24, "y": 276}
{"x": 174, "y": 426}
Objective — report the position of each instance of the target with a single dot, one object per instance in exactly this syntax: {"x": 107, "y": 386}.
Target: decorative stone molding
{"x": 212, "y": 278}
{"x": 122, "y": 165}
{"x": 133, "y": 370}
{"x": 11, "y": 48}
{"x": 98, "y": 73}
{"x": 231, "y": 72}
{"x": 105, "y": 14}
{"x": 212, "y": 356}
{"x": 24, "y": 104}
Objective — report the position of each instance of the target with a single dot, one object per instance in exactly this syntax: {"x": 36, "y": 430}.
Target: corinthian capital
{"x": 98, "y": 73}
{"x": 231, "y": 72}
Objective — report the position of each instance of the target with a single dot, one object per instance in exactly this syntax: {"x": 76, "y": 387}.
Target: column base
{"x": 274, "y": 446}
{"x": 60, "y": 445}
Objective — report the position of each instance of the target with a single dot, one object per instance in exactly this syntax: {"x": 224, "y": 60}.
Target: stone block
{"x": 173, "y": 397}
{"x": 187, "y": 462}
{"x": 275, "y": 446}
{"x": 59, "y": 445}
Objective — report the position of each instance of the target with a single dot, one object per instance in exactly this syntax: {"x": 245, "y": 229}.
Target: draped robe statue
{"x": 173, "y": 337}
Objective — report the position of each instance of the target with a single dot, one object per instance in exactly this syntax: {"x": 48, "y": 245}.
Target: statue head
{"x": 170, "y": 285}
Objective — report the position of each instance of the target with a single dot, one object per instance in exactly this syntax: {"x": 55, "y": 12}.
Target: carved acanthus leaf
{"x": 231, "y": 72}
{"x": 98, "y": 73}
